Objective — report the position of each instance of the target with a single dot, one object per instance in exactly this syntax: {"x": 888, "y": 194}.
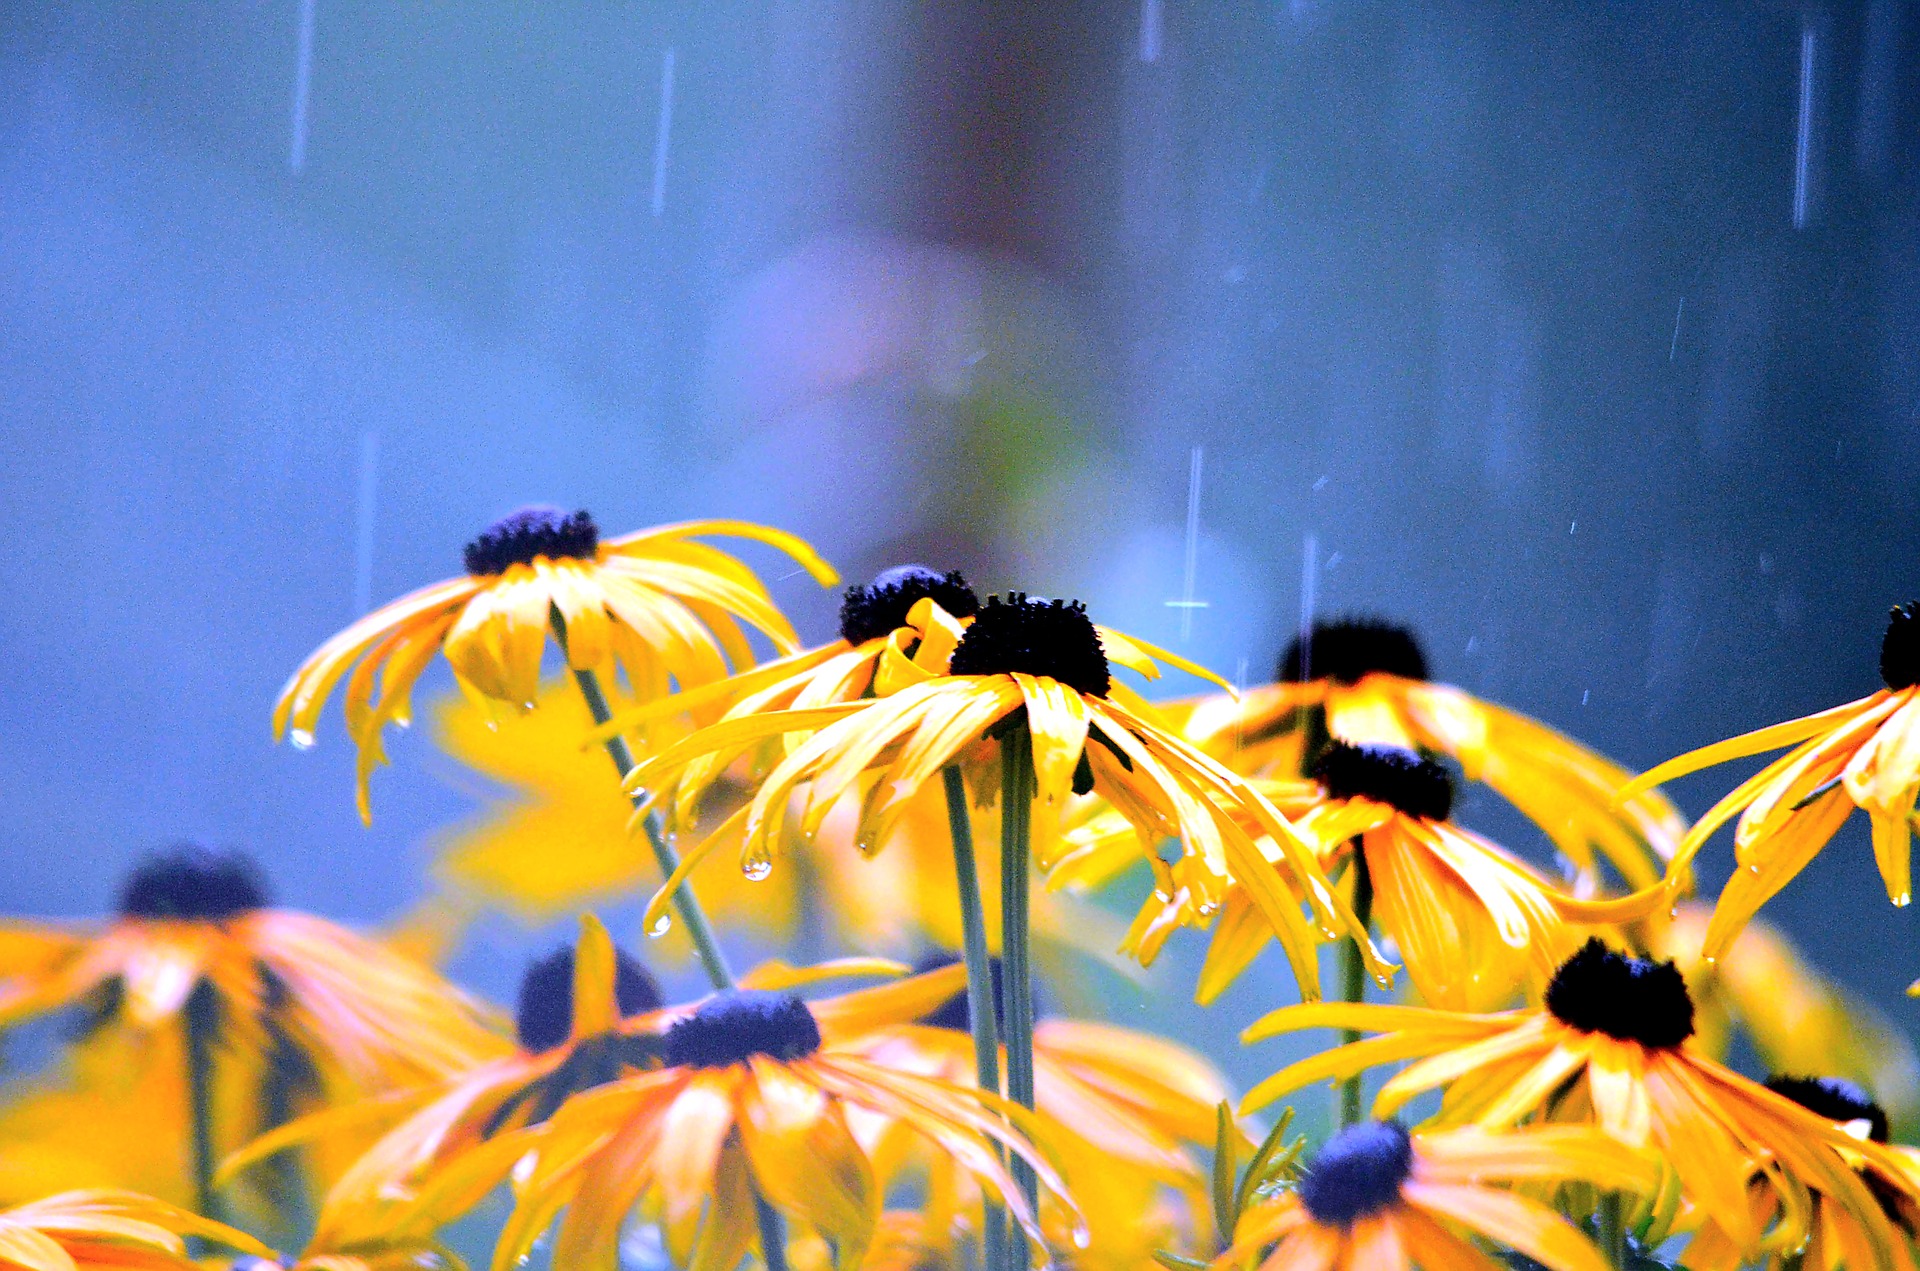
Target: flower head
{"x": 1865, "y": 754}
{"x": 1610, "y": 1048}
{"x": 1362, "y": 681}
{"x": 1378, "y": 1195}
{"x": 657, "y": 605}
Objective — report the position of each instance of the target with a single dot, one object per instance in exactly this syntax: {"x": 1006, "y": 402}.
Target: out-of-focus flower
{"x": 279, "y": 1012}
{"x": 654, "y": 604}
{"x": 1835, "y": 1238}
{"x": 1610, "y": 1047}
{"x": 1796, "y": 1019}
{"x": 752, "y": 1093}
{"x": 1365, "y": 682}
{"x": 1377, "y": 1197}
{"x": 572, "y": 1038}
{"x": 1865, "y": 754}
{"x": 1474, "y": 924}
{"x": 109, "y": 1230}
{"x": 1130, "y": 1106}
{"x": 1044, "y": 666}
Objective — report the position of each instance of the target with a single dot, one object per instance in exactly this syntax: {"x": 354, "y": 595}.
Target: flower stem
{"x": 201, "y": 1019}
{"x": 1613, "y": 1230}
{"x": 685, "y": 902}
{"x": 981, "y": 1010}
{"x": 1353, "y": 973}
{"x": 1016, "y": 978}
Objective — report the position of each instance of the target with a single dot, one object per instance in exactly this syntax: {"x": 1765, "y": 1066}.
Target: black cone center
{"x": 1836, "y": 1099}
{"x": 1629, "y": 999}
{"x": 1345, "y": 650}
{"x": 1386, "y": 774}
{"x": 534, "y": 531}
{"x": 1051, "y": 638}
{"x": 1900, "y": 647}
{"x": 875, "y": 610}
{"x": 1357, "y": 1173}
{"x": 545, "y": 1016}
{"x": 735, "y": 1024}
{"x": 193, "y": 883}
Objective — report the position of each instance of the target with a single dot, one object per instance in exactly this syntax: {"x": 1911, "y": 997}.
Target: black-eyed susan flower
{"x": 656, "y": 604}
{"x": 1610, "y": 1047}
{"x": 1474, "y": 924}
{"x": 1365, "y": 682}
{"x": 268, "y": 1012}
{"x": 571, "y": 1028}
{"x": 1865, "y": 754}
{"x": 109, "y": 1230}
{"x": 1795, "y": 1018}
{"x": 1836, "y": 1238}
{"x": 752, "y": 1098}
{"x": 1043, "y": 670}
{"x": 1380, "y": 1198}
{"x": 1131, "y": 1110}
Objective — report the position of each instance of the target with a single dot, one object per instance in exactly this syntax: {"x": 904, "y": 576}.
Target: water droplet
{"x": 1904, "y": 899}
{"x": 866, "y": 846}
{"x": 1081, "y": 1236}
{"x": 757, "y": 871}
{"x": 660, "y": 926}
{"x": 301, "y": 739}
{"x": 1674, "y": 912}
{"x": 1208, "y": 908}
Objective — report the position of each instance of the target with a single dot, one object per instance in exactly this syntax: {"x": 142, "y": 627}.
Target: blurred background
{"x": 1585, "y": 338}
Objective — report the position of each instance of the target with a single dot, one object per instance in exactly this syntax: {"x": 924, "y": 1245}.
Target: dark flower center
{"x": 1900, "y": 647}
{"x": 957, "y": 1012}
{"x": 195, "y": 884}
{"x": 1629, "y": 999}
{"x": 1051, "y": 638}
{"x": 735, "y": 1024}
{"x": 1386, "y": 774}
{"x": 1836, "y": 1099}
{"x": 1345, "y": 650}
{"x": 1357, "y": 1173}
{"x": 875, "y": 610}
{"x": 537, "y": 530}
{"x": 545, "y": 1017}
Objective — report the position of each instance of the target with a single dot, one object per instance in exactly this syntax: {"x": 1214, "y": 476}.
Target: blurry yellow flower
{"x": 104, "y": 1230}
{"x": 293, "y": 1013}
{"x": 1130, "y": 1107}
{"x": 1611, "y": 1047}
{"x": 1377, "y": 1198}
{"x": 753, "y": 1094}
{"x": 1366, "y": 682}
{"x": 1796, "y": 1019}
{"x": 1044, "y": 665}
{"x": 1865, "y": 754}
{"x": 654, "y": 604}
{"x": 1475, "y": 925}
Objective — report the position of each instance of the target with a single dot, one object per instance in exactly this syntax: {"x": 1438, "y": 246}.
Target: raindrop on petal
{"x": 660, "y": 926}
{"x": 757, "y": 871}
{"x": 301, "y": 739}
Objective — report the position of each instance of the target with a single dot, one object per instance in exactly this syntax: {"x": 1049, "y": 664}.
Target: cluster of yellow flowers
{"x": 237, "y": 1068}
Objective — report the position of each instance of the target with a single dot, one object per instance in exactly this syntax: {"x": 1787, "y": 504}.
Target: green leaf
{"x": 1174, "y": 1262}
{"x": 1226, "y": 1168}
{"x": 1274, "y": 1159}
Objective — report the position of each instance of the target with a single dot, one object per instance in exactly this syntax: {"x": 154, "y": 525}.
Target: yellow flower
{"x": 1043, "y": 664}
{"x": 1796, "y": 1019}
{"x": 281, "y": 1010}
{"x": 1366, "y": 682}
{"x": 1378, "y": 1198}
{"x": 1130, "y": 1107}
{"x": 1836, "y": 1238}
{"x": 1611, "y": 1048}
{"x": 747, "y": 1090}
{"x": 1474, "y": 924}
{"x": 102, "y": 1230}
{"x": 655, "y": 604}
{"x": 1865, "y": 754}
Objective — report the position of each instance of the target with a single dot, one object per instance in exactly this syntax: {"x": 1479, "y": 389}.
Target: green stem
{"x": 981, "y": 1011}
{"x": 1353, "y": 973}
{"x": 201, "y": 1018}
{"x": 684, "y": 901}
{"x": 1016, "y": 973}
{"x": 1613, "y": 1230}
